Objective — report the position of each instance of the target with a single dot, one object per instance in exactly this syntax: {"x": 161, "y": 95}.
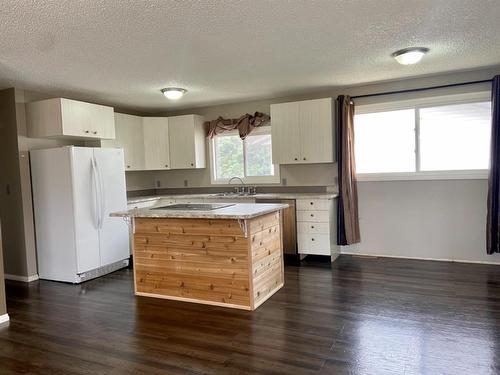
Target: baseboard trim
{"x": 24, "y": 279}
{"x": 4, "y": 318}
{"x": 418, "y": 258}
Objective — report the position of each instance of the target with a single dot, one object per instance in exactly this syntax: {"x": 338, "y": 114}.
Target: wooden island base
{"x": 223, "y": 262}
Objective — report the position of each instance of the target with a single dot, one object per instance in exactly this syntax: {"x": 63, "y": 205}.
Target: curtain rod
{"x": 421, "y": 89}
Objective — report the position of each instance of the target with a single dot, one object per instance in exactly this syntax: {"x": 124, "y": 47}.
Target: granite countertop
{"x": 237, "y": 211}
{"x": 234, "y": 196}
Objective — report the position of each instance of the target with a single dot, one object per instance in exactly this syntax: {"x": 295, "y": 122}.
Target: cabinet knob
{"x": 295, "y": 159}
{"x": 312, "y": 226}
{"x": 304, "y": 159}
{"x": 312, "y": 239}
{"x": 192, "y": 164}
{"x": 94, "y": 132}
{"x": 128, "y": 166}
{"x": 166, "y": 165}
{"x": 311, "y": 203}
{"x": 87, "y": 131}
{"x": 312, "y": 215}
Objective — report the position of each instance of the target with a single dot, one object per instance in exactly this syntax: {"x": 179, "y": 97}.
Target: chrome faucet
{"x": 241, "y": 190}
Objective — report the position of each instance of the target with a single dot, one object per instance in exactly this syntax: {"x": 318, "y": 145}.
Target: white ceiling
{"x": 123, "y": 52}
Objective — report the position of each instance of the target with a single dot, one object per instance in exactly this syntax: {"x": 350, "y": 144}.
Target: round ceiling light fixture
{"x": 173, "y": 93}
{"x": 409, "y": 56}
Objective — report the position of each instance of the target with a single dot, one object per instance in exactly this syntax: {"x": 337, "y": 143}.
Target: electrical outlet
{"x": 185, "y": 183}
{"x": 283, "y": 181}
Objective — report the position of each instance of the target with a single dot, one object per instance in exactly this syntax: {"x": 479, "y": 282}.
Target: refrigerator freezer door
{"x": 54, "y": 214}
{"x": 86, "y": 209}
{"x": 114, "y": 232}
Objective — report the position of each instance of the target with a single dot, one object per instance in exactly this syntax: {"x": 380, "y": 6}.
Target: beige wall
{"x": 16, "y": 210}
{"x": 3, "y": 304}
{"x": 11, "y": 210}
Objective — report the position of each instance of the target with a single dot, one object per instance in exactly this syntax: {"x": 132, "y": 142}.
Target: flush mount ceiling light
{"x": 173, "y": 93}
{"x": 410, "y": 56}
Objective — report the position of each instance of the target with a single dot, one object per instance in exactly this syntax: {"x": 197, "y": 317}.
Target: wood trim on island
{"x": 209, "y": 261}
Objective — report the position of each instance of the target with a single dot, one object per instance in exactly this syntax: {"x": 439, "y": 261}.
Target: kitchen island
{"x": 229, "y": 256}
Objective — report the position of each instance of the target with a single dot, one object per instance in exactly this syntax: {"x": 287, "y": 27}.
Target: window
{"x": 385, "y": 142}
{"x": 455, "y": 137}
{"x": 423, "y": 140}
{"x": 249, "y": 159}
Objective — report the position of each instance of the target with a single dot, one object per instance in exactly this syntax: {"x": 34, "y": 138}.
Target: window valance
{"x": 245, "y": 124}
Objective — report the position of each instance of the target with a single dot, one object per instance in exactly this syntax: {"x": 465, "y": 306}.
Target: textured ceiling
{"x": 123, "y": 52}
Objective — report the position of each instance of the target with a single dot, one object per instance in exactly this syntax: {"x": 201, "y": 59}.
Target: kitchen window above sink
{"x": 249, "y": 159}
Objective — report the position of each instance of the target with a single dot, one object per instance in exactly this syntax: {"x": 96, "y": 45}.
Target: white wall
{"x": 440, "y": 219}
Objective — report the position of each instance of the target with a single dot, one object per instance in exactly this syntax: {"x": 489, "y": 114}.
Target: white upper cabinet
{"x": 187, "y": 142}
{"x": 302, "y": 132}
{"x": 130, "y": 137}
{"x": 285, "y": 133}
{"x": 67, "y": 118}
{"x": 160, "y": 143}
{"x": 156, "y": 143}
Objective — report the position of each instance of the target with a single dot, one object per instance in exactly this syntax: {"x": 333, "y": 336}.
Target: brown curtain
{"x": 245, "y": 124}
{"x": 347, "y": 213}
{"x": 492, "y": 224}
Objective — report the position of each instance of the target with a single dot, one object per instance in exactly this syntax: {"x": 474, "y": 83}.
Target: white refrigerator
{"x": 74, "y": 191}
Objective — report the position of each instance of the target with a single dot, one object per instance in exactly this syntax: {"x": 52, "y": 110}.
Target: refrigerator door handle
{"x": 101, "y": 195}
{"x": 97, "y": 213}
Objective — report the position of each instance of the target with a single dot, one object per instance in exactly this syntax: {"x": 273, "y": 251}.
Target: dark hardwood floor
{"x": 358, "y": 316}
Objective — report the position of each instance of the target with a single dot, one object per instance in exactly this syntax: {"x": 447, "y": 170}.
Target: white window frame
{"x": 274, "y": 179}
{"x": 418, "y": 104}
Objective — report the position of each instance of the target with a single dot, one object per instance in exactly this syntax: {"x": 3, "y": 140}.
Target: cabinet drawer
{"x": 314, "y": 216}
{"x": 313, "y": 228}
{"x": 313, "y": 204}
{"x": 318, "y": 244}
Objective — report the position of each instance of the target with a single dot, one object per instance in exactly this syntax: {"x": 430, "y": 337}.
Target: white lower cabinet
{"x": 317, "y": 227}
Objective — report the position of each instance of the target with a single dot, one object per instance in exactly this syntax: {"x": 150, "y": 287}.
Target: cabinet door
{"x": 102, "y": 121}
{"x": 182, "y": 142}
{"x": 285, "y": 133}
{"x": 76, "y": 118}
{"x": 156, "y": 144}
{"x": 130, "y": 137}
{"x": 316, "y": 131}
